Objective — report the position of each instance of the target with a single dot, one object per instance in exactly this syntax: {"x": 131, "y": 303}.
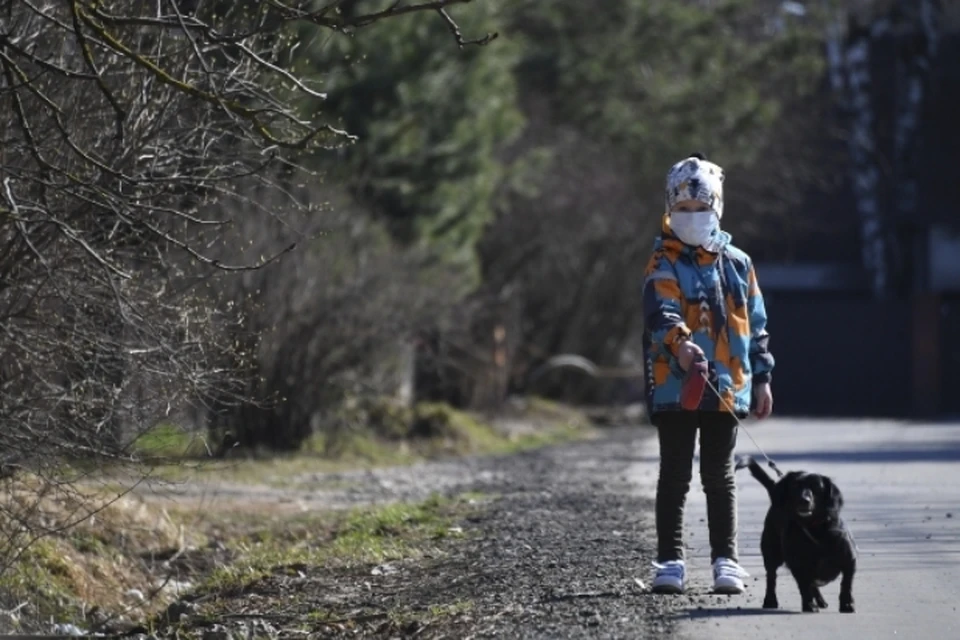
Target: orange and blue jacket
{"x": 714, "y": 299}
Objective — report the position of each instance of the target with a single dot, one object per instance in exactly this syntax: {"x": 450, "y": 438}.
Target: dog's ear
{"x": 833, "y": 498}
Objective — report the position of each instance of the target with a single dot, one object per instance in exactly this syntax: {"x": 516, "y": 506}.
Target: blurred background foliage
{"x": 471, "y": 209}
{"x": 528, "y": 172}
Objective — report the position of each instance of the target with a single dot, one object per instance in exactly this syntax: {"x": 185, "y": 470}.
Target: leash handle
{"x": 694, "y": 384}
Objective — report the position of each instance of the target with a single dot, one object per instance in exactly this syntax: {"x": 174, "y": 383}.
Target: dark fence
{"x": 948, "y": 351}
{"x": 843, "y": 355}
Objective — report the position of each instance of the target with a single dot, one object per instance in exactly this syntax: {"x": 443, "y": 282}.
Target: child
{"x": 701, "y": 302}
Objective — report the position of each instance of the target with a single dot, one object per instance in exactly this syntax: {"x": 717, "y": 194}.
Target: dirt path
{"x": 554, "y": 554}
{"x": 325, "y": 491}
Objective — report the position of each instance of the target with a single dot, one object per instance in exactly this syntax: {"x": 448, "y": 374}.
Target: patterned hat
{"x": 696, "y": 179}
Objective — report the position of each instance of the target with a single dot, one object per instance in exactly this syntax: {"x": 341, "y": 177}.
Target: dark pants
{"x": 718, "y": 437}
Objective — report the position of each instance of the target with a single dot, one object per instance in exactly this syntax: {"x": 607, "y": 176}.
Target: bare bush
{"x": 327, "y": 324}
{"x": 124, "y": 122}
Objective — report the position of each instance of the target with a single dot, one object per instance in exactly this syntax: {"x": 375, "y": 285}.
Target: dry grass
{"x": 129, "y": 561}
{"x": 109, "y": 553}
{"x": 94, "y": 558}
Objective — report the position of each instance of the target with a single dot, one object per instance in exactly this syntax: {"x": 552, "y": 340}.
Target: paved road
{"x": 902, "y": 488}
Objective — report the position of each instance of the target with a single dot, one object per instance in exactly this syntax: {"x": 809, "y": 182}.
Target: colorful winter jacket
{"x": 714, "y": 299}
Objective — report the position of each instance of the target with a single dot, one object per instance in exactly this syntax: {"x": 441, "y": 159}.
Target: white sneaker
{"x": 728, "y": 576}
{"x": 670, "y": 577}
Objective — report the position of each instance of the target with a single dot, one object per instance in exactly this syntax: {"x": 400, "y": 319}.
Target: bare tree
{"x": 131, "y": 131}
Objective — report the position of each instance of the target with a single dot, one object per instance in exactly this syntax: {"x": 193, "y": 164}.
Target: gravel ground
{"x": 556, "y": 553}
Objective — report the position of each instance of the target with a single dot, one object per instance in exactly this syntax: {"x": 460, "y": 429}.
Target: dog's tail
{"x": 757, "y": 472}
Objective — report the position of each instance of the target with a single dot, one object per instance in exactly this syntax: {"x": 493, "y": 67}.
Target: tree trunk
{"x": 862, "y": 143}
{"x": 916, "y": 44}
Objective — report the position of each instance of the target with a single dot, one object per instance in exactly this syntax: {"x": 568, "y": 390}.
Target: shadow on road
{"x": 939, "y": 451}
{"x": 732, "y": 612}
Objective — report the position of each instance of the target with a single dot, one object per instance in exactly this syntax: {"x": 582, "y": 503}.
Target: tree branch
{"x": 455, "y": 30}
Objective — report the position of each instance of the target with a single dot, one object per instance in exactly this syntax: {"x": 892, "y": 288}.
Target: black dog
{"x": 803, "y": 529}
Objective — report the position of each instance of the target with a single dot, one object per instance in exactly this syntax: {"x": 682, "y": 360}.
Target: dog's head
{"x": 809, "y": 496}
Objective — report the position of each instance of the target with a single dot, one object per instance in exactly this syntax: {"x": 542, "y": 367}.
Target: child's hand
{"x": 687, "y": 352}
{"x": 764, "y": 400}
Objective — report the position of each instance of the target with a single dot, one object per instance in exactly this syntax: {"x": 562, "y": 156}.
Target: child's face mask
{"x": 694, "y": 228}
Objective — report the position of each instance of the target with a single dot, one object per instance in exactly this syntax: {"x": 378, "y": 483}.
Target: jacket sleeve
{"x": 761, "y": 360}
{"x": 662, "y": 307}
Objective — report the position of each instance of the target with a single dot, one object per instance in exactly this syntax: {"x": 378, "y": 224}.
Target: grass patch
{"x": 171, "y": 441}
{"x": 362, "y": 536}
{"x": 306, "y": 573}
{"x": 44, "y": 578}
{"x": 91, "y": 560}
{"x": 455, "y": 608}
{"x": 391, "y": 532}
{"x": 431, "y": 430}
{"x": 410, "y": 621}
{"x": 378, "y": 435}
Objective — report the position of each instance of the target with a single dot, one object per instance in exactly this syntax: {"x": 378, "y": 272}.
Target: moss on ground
{"x": 365, "y": 535}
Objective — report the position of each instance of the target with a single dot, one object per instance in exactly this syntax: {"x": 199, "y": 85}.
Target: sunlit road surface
{"x": 901, "y": 482}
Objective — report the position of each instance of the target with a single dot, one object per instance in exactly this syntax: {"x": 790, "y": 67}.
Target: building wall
{"x": 840, "y": 354}
{"x": 948, "y": 355}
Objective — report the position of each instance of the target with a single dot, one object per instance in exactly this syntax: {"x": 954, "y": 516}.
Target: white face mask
{"x": 694, "y": 228}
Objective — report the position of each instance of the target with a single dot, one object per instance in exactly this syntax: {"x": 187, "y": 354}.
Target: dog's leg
{"x": 772, "y": 559}
{"x": 808, "y": 602}
{"x": 818, "y": 598}
{"x": 806, "y": 584}
{"x": 770, "y": 599}
{"x": 846, "y": 588}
